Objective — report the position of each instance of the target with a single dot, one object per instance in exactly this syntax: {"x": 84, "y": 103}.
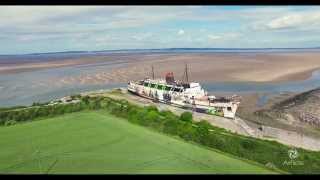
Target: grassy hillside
{"x": 97, "y": 142}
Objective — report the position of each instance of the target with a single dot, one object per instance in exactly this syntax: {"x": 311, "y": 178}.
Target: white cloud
{"x": 214, "y": 37}
{"x": 10, "y": 15}
{"x": 69, "y": 19}
{"x": 46, "y": 18}
{"x": 156, "y": 26}
{"x": 181, "y": 32}
{"x": 299, "y": 20}
{"x": 144, "y": 36}
{"x": 285, "y": 22}
{"x": 224, "y": 36}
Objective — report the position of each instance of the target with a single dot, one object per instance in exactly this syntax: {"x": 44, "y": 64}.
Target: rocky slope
{"x": 304, "y": 107}
{"x": 299, "y": 113}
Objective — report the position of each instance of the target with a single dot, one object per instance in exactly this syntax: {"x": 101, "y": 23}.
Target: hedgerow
{"x": 261, "y": 151}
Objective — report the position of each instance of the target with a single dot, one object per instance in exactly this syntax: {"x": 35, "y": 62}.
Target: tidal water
{"x": 293, "y": 86}
{"x": 265, "y": 90}
{"x": 40, "y": 86}
{"x": 26, "y": 88}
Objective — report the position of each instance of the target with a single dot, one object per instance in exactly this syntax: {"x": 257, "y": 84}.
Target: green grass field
{"x": 97, "y": 142}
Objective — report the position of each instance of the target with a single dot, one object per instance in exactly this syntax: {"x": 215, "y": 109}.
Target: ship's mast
{"x": 152, "y": 72}
{"x": 187, "y": 78}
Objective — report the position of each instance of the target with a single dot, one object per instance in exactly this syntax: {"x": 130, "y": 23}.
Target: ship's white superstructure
{"x": 184, "y": 94}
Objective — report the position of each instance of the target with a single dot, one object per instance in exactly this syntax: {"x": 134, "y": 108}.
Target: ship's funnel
{"x": 169, "y": 78}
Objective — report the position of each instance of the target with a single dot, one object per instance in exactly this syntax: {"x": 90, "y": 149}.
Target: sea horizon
{"x": 167, "y": 49}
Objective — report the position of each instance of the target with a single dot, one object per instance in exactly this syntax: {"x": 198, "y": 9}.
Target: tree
{"x": 186, "y": 116}
{"x": 75, "y": 96}
{"x": 152, "y": 116}
{"x": 152, "y": 108}
{"x": 10, "y": 122}
{"x": 187, "y": 132}
{"x": 203, "y": 132}
{"x": 248, "y": 144}
{"x": 171, "y": 126}
{"x": 85, "y": 99}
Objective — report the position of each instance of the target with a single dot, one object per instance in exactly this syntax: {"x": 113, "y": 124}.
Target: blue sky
{"x": 33, "y": 29}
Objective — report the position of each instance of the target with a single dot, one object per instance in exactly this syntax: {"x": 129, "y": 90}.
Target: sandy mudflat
{"x": 213, "y": 67}
{"x": 32, "y": 66}
{"x": 221, "y": 67}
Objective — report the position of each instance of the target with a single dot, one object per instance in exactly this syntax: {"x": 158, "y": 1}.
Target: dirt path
{"x": 290, "y": 138}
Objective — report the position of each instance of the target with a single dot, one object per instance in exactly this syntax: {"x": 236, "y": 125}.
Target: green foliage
{"x": 75, "y": 96}
{"x": 116, "y": 91}
{"x": 171, "y": 126}
{"x": 152, "y": 116}
{"x": 186, "y": 116}
{"x": 85, "y": 142}
{"x": 35, "y": 111}
{"x": 85, "y": 99}
{"x": 11, "y": 108}
{"x": 152, "y": 108}
{"x": 216, "y": 141}
{"x": 39, "y": 103}
{"x": 187, "y": 132}
{"x": 203, "y": 128}
{"x": 248, "y": 144}
{"x": 202, "y": 132}
{"x": 10, "y": 122}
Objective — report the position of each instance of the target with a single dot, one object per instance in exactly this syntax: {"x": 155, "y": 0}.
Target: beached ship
{"x": 184, "y": 94}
